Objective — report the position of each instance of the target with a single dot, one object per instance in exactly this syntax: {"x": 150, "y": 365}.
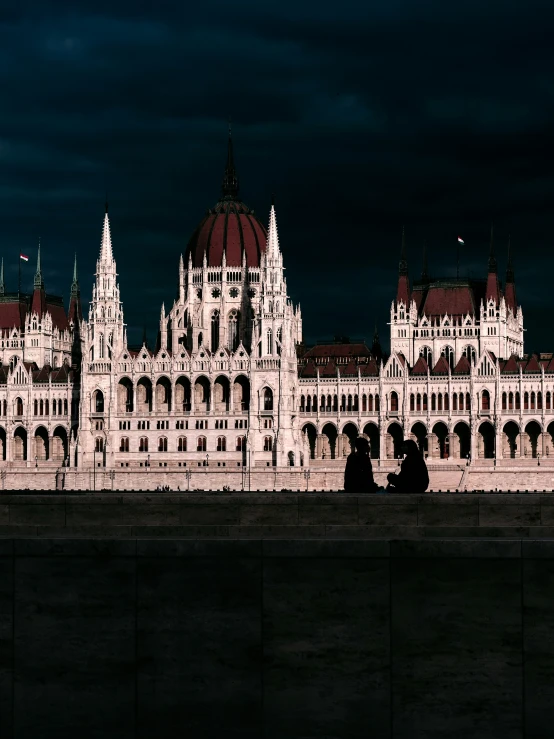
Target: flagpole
{"x": 19, "y": 279}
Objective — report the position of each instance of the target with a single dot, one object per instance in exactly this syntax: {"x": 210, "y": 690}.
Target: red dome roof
{"x": 229, "y": 227}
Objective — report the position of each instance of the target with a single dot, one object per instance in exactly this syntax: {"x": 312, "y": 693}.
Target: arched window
{"x": 446, "y": 402}
{"x": 182, "y": 444}
{"x": 539, "y": 401}
{"x": 485, "y": 401}
{"x": 394, "y": 402}
{"x": 221, "y": 444}
{"x": 41, "y": 407}
{"x": 99, "y": 444}
{"x": 241, "y": 443}
{"x": 215, "y": 330}
{"x": 349, "y": 403}
{"x": 35, "y": 405}
{"x": 268, "y": 443}
{"x": 364, "y": 403}
{"x": 200, "y": 337}
{"x": 439, "y": 402}
{"x": 418, "y": 402}
{"x": 455, "y": 402}
{"x": 504, "y": 402}
{"x": 201, "y": 444}
{"x": 233, "y": 330}
{"x": 448, "y": 354}
{"x": 468, "y": 402}
{"x": 98, "y": 402}
{"x": 322, "y": 403}
{"x": 143, "y": 444}
{"x": 369, "y": 403}
{"x": 124, "y": 444}
{"x": 518, "y": 401}
{"x": 377, "y": 403}
{"x": 162, "y": 444}
{"x": 424, "y": 408}
{"x": 412, "y": 402}
{"x": 548, "y": 400}
{"x": 427, "y": 354}
{"x": 355, "y": 406}
{"x": 18, "y": 407}
{"x": 46, "y": 408}
{"x": 268, "y": 400}
{"x": 303, "y": 402}
{"x": 433, "y": 402}
{"x": 510, "y": 401}
{"x": 525, "y": 401}
{"x": 65, "y": 406}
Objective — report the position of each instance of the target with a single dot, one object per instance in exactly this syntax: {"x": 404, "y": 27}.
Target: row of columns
{"x": 477, "y": 445}
{"x": 203, "y": 406}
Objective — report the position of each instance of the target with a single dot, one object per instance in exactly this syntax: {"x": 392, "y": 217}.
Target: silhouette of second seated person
{"x": 413, "y": 476}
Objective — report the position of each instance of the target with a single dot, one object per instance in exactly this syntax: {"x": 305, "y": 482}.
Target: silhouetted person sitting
{"x": 358, "y": 474}
{"x": 413, "y": 476}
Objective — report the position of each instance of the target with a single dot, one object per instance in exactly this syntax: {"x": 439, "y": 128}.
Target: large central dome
{"x": 230, "y": 227}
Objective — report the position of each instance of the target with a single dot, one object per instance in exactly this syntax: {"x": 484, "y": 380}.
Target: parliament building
{"x": 230, "y": 383}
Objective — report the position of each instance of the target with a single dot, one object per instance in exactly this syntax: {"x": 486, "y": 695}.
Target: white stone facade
{"x": 221, "y": 389}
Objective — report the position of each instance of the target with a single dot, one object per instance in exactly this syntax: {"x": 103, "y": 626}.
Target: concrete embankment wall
{"x": 271, "y": 515}
{"x": 142, "y": 637}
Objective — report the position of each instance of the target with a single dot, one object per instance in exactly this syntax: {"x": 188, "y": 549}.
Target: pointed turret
{"x": 39, "y": 282}
{"x": 493, "y": 291}
{"x": 510, "y": 292}
{"x": 403, "y": 289}
{"x": 106, "y": 252}
{"x": 272, "y": 235}
{"x": 230, "y": 186}
{"x": 38, "y": 302}
{"x": 2, "y": 287}
{"x": 75, "y": 309}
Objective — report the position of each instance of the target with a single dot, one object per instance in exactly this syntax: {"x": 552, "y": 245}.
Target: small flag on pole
{"x": 460, "y": 240}
{"x": 25, "y": 259}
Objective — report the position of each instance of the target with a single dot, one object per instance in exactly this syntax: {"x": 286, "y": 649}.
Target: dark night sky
{"x": 360, "y": 117}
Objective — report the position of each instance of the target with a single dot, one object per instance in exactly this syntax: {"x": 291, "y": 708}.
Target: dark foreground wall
{"x": 142, "y": 638}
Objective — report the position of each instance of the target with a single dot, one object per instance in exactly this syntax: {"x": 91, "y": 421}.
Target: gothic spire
{"x": 492, "y": 258}
{"x": 75, "y": 283}
{"x": 403, "y": 264}
{"x": 106, "y": 252}
{"x": 39, "y": 282}
{"x": 230, "y": 187}
{"x": 272, "y": 235}
{"x": 403, "y": 288}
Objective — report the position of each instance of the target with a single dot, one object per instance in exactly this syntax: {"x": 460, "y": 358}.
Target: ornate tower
{"x": 103, "y": 342}
{"x": 401, "y": 317}
{"x": 275, "y": 332}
